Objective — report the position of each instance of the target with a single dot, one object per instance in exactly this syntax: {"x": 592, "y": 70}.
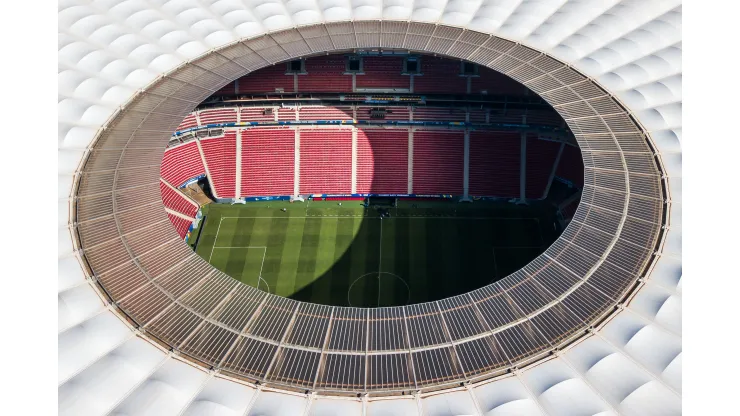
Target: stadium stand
{"x": 393, "y": 113}
{"x": 571, "y": 166}
{"x": 439, "y": 114}
{"x": 494, "y": 155}
{"x": 188, "y": 122}
{"x": 382, "y": 73}
{"x": 491, "y": 82}
{"x": 541, "y": 155}
{"x": 256, "y": 114}
{"x": 326, "y": 161}
{"x": 181, "y": 224}
{"x": 325, "y": 74}
{"x": 181, "y": 163}
{"x": 268, "y": 162}
{"x": 478, "y": 116}
{"x": 440, "y": 76}
{"x": 310, "y": 113}
{"x": 220, "y": 154}
{"x": 221, "y": 115}
{"x": 271, "y": 80}
{"x": 438, "y": 162}
{"x": 176, "y": 201}
{"x": 382, "y": 160}
{"x": 286, "y": 114}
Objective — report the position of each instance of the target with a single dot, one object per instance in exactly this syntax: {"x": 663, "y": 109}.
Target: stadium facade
{"x": 607, "y": 340}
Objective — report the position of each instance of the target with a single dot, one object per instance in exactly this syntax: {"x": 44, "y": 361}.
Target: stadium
{"x": 370, "y": 208}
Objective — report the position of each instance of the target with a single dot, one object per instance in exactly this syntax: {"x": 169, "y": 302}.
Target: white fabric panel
{"x": 335, "y": 407}
{"x": 70, "y": 273}
{"x": 505, "y": 397}
{"x": 660, "y": 305}
{"x": 166, "y": 392}
{"x": 77, "y": 304}
{"x": 278, "y": 404}
{"x": 99, "y": 387}
{"x": 393, "y": 407}
{"x": 561, "y": 391}
{"x": 221, "y": 397}
{"x": 650, "y": 345}
{"x": 82, "y": 344}
{"x": 449, "y": 404}
{"x": 615, "y": 376}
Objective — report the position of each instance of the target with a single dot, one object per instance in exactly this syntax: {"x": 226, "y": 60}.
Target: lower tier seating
{"x": 494, "y": 154}
{"x": 268, "y": 162}
{"x": 220, "y": 154}
{"x": 181, "y": 163}
{"x": 382, "y": 161}
{"x": 438, "y": 162}
{"x": 176, "y": 201}
{"x": 541, "y": 155}
{"x": 326, "y": 161}
{"x": 181, "y": 224}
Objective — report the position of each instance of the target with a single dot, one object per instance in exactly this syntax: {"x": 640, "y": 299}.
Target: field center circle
{"x": 374, "y": 280}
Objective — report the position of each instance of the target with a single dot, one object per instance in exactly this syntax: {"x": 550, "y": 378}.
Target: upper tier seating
{"x": 181, "y": 224}
{"x": 571, "y": 166}
{"x": 440, "y": 76}
{"x": 286, "y": 114}
{"x": 438, "y": 162}
{"x": 266, "y": 80}
{"x": 382, "y": 73}
{"x": 541, "y": 155}
{"x": 494, "y": 154}
{"x": 325, "y": 113}
{"x": 181, "y": 163}
{"x": 268, "y": 161}
{"x": 382, "y": 161}
{"x": 176, "y": 201}
{"x": 188, "y": 122}
{"x": 325, "y": 74}
{"x": 492, "y": 82}
{"x": 219, "y": 115}
{"x": 220, "y": 154}
{"x": 326, "y": 161}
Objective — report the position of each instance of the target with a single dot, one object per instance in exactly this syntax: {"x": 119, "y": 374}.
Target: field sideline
{"x": 346, "y": 255}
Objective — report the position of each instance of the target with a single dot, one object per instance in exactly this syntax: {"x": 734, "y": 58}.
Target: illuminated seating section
{"x": 225, "y": 115}
{"x": 181, "y": 163}
{"x": 176, "y": 201}
{"x": 382, "y": 161}
{"x": 181, "y": 224}
{"x": 325, "y": 74}
{"x": 220, "y": 155}
{"x": 326, "y": 161}
{"x": 438, "y": 162}
{"x": 383, "y": 74}
{"x": 494, "y": 155}
{"x": 312, "y": 113}
{"x": 268, "y": 161}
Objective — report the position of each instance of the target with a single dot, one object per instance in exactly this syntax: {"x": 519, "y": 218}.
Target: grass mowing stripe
{"x": 402, "y": 254}
{"x": 417, "y": 276}
{"x": 341, "y": 271}
{"x": 305, "y": 273}
{"x": 286, "y": 278}
{"x": 321, "y": 292}
{"x": 364, "y": 260}
{"x": 275, "y": 244}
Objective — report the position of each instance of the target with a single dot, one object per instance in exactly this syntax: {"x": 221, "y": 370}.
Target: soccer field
{"x": 347, "y": 255}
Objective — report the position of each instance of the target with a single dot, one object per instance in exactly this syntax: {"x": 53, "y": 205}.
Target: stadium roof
{"x": 604, "y": 336}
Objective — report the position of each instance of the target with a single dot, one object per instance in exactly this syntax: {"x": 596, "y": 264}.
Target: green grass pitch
{"x": 322, "y": 252}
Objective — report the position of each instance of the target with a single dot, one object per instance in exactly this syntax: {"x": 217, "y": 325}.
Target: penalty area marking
{"x": 262, "y": 265}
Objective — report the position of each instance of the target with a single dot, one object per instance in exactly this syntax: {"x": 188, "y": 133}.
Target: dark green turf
{"x": 320, "y": 251}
